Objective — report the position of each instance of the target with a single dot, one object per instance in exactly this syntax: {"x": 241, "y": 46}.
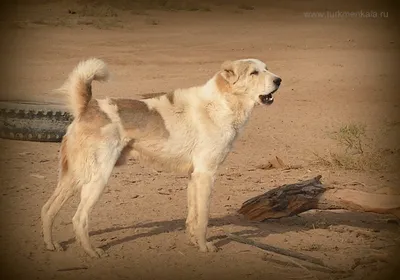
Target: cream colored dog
{"x": 189, "y": 130}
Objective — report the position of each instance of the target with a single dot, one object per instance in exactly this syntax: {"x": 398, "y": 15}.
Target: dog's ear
{"x": 228, "y": 72}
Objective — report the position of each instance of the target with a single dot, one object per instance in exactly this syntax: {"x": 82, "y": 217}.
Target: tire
{"x": 33, "y": 121}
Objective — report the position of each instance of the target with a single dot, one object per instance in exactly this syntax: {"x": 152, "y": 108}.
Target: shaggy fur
{"x": 189, "y": 130}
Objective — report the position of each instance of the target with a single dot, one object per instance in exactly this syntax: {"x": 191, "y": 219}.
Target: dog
{"x": 188, "y": 130}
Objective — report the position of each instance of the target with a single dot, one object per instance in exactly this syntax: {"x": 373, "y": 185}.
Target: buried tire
{"x": 33, "y": 121}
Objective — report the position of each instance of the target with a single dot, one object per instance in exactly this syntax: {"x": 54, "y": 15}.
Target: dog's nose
{"x": 277, "y": 81}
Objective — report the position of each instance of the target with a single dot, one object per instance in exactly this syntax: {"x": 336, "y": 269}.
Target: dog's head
{"x": 249, "y": 79}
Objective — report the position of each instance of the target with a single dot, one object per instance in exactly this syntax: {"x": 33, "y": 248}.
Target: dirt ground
{"x": 336, "y": 71}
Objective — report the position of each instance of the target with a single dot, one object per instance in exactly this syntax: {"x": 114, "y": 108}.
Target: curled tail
{"x": 79, "y": 84}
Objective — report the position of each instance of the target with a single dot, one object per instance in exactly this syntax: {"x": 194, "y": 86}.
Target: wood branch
{"x": 308, "y": 266}
{"x": 296, "y": 263}
{"x": 281, "y": 251}
{"x": 73, "y": 268}
{"x": 285, "y": 253}
{"x": 292, "y": 199}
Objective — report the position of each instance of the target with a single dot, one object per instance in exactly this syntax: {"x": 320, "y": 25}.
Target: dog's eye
{"x": 255, "y": 72}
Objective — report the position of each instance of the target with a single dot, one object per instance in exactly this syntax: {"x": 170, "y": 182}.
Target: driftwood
{"x": 284, "y": 201}
{"x": 292, "y": 199}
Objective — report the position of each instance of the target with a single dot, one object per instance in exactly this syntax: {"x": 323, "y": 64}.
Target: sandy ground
{"x": 335, "y": 71}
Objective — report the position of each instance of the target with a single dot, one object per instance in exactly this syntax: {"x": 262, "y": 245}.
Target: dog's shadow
{"x": 304, "y": 222}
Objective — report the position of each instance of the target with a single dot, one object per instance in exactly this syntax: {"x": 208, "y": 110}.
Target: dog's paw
{"x": 208, "y": 247}
{"x": 97, "y": 253}
{"x": 55, "y": 246}
{"x": 191, "y": 238}
{"x": 101, "y": 252}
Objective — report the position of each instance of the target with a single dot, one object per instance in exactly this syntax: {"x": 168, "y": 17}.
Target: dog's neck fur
{"x": 220, "y": 93}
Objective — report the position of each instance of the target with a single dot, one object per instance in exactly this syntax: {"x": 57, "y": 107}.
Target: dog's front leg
{"x": 204, "y": 182}
{"x": 191, "y": 220}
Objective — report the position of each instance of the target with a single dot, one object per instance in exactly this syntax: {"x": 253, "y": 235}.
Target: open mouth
{"x": 267, "y": 99}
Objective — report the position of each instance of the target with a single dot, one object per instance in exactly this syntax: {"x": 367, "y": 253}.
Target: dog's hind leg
{"x": 50, "y": 210}
{"x": 63, "y": 191}
{"x": 91, "y": 192}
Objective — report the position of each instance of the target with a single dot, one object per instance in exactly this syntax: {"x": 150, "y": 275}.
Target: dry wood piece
{"x": 292, "y": 199}
{"x": 360, "y": 201}
{"x": 286, "y": 253}
{"x": 284, "y": 201}
{"x": 277, "y": 163}
{"x": 277, "y": 250}
{"x": 73, "y": 268}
